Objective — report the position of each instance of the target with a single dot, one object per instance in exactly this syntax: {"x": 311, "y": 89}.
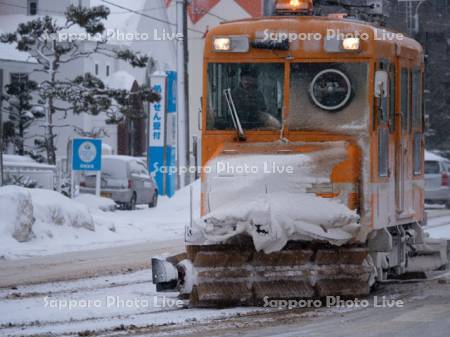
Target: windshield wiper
{"x": 234, "y": 115}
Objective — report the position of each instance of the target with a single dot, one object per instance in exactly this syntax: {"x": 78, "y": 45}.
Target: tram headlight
{"x": 222, "y": 44}
{"x": 351, "y": 44}
{"x": 346, "y": 45}
{"x": 232, "y": 44}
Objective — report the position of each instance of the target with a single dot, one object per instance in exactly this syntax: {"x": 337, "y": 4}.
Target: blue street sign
{"x": 87, "y": 154}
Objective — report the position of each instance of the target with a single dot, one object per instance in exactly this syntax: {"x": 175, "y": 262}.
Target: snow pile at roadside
{"x": 21, "y": 209}
{"x": 165, "y": 222}
{"x": 273, "y": 206}
{"x": 53, "y": 208}
{"x": 93, "y": 202}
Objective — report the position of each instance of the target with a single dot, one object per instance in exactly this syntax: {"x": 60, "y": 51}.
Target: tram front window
{"x": 329, "y": 97}
{"x": 255, "y": 90}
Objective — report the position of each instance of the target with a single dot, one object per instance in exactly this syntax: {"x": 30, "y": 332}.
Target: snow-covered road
{"x": 439, "y": 223}
{"x": 101, "y": 304}
{"x": 108, "y": 292}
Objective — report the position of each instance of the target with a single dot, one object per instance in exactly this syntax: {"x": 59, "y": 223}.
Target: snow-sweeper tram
{"x": 312, "y": 152}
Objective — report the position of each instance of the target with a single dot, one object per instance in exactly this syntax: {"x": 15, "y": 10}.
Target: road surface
{"x": 77, "y": 265}
{"x": 108, "y": 292}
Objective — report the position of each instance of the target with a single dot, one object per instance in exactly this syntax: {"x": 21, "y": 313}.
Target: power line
{"x": 149, "y": 9}
{"x": 204, "y": 11}
{"x": 149, "y": 16}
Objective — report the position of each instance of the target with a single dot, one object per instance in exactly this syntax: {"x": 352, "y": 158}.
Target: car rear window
{"x": 432, "y": 167}
{"x": 115, "y": 168}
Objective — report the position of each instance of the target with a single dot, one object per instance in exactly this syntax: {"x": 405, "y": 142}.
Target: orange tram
{"x": 341, "y": 101}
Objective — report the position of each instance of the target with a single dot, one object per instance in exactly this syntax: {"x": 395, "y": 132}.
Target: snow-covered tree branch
{"x": 51, "y": 42}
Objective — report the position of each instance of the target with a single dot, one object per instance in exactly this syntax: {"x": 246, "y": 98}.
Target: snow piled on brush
{"x": 274, "y": 206}
{"x": 36, "y": 222}
{"x": 53, "y": 208}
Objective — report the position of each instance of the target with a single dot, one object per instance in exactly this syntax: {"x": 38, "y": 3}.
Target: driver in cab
{"x": 250, "y": 103}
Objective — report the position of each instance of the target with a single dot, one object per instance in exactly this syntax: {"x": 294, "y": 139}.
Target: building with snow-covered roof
{"x": 17, "y": 64}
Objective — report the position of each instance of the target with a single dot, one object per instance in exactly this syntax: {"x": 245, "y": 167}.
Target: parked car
{"x": 125, "y": 180}
{"x": 436, "y": 179}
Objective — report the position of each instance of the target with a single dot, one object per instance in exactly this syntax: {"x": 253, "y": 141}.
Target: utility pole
{"x": 182, "y": 120}
{"x": 186, "y": 86}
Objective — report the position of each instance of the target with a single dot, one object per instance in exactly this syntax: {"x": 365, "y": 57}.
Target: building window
{"x": 32, "y": 7}
{"x": 96, "y": 69}
{"x": 108, "y": 70}
{"x": 18, "y": 77}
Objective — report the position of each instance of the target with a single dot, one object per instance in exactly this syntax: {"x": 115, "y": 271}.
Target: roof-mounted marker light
{"x": 231, "y": 44}
{"x": 295, "y": 4}
{"x": 294, "y": 7}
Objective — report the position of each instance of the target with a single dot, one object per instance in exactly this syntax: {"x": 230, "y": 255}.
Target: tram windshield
{"x": 323, "y": 96}
{"x": 329, "y": 97}
{"x": 253, "y": 91}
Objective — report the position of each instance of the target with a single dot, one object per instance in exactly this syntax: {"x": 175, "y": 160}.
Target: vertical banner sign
{"x": 171, "y": 150}
{"x": 157, "y": 142}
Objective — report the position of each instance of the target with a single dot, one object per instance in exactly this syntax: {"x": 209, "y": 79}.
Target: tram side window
{"x": 392, "y": 94}
{"x": 417, "y": 120}
{"x": 417, "y": 153}
{"x": 405, "y": 99}
{"x": 383, "y": 152}
{"x": 417, "y": 100}
{"x": 383, "y": 107}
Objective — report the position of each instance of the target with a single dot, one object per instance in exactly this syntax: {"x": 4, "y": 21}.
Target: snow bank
{"x": 22, "y": 209}
{"x": 16, "y": 213}
{"x": 56, "y": 209}
{"x": 93, "y": 202}
{"x": 165, "y": 222}
{"x": 274, "y": 206}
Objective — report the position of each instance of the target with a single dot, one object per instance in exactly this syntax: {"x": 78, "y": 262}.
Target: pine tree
{"x": 50, "y": 42}
{"x": 22, "y": 114}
